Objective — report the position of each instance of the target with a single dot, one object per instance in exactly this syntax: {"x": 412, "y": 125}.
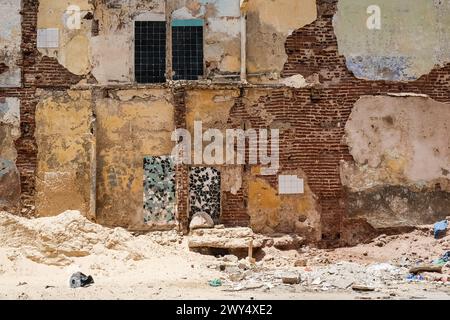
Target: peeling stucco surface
{"x": 65, "y": 143}
{"x": 212, "y": 107}
{"x": 138, "y": 124}
{"x": 273, "y": 213}
{"x": 398, "y": 141}
{"x": 413, "y": 38}
{"x": 269, "y": 23}
{"x": 401, "y": 148}
{"x": 74, "y": 45}
{"x": 10, "y": 40}
{"x": 9, "y": 127}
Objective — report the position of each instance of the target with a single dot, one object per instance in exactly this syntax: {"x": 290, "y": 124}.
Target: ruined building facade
{"x": 88, "y": 107}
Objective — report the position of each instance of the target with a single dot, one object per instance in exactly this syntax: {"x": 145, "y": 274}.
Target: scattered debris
{"x": 80, "y": 280}
{"x": 229, "y": 238}
{"x": 413, "y": 277}
{"x": 442, "y": 260}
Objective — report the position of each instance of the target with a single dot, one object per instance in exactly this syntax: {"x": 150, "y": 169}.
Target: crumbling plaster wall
{"x": 413, "y": 38}
{"x": 74, "y": 44}
{"x": 401, "y": 172}
{"x": 132, "y": 124}
{"x": 9, "y": 127}
{"x": 10, "y": 40}
{"x": 66, "y": 144}
{"x": 271, "y": 212}
{"x": 116, "y": 33}
{"x": 9, "y": 133}
{"x": 269, "y": 23}
{"x": 222, "y": 43}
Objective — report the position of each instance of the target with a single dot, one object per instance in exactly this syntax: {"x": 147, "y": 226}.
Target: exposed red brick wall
{"x": 318, "y": 116}
{"x": 181, "y": 171}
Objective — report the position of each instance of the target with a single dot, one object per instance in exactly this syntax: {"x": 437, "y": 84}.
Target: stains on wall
{"x": 271, "y": 212}
{"x": 212, "y": 107}
{"x": 113, "y": 40}
{"x": 159, "y": 189}
{"x": 74, "y": 43}
{"x": 412, "y": 39}
{"x": 65, "y": 140}
{"x": 131, "y": 124}
{"x": 204, "y": 192}
{"x": 398, "y": 141}
{"x": 269, "y": 23}
{"x": 398, "y": 206}
{"x": 9, "y": 186}
{"x": 10, "y": 40}
{"x": 222, "y": 32}
{"x": 401, "y": 148}
{"x": 9, "y": 127}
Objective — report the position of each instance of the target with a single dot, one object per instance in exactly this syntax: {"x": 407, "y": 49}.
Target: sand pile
{"x": 56, "y": 240}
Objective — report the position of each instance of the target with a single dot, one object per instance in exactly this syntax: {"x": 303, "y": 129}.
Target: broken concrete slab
{"x": 425, "y": 268}
{"x": 228, "y": 238}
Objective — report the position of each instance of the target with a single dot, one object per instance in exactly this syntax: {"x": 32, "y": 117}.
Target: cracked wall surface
{"x": 66, "y": 144}
{"x": 10, "y": 40}
{"x": 94, "y": 126}
{"x": 401, "y": 148}
{"x": 413, "y": 38}
{"x": 9, "y": 133}
{"x": 132, "y": 124}
{"x": 74, "y": 43}
{"x": 269, "y": 23}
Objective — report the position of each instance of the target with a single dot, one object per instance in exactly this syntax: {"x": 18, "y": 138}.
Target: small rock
{"x": 358, "y": 287}
{"x": 230, "y": 258}
{"x": 201, "y": 220}
{"x": 244, "y": 264}
{"x": 301, "y": 263}
{"x": 219, "y": 226}
{"x": 236, "y": 276}
{"x": 290, "y": 278}
{"x": 316, "y": 282}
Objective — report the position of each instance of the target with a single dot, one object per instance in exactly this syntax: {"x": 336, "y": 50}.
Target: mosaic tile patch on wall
{"x": 204, "y": 191}
{"x": 159, "y": 189}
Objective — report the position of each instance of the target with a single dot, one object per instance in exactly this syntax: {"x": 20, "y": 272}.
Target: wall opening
{"x": 187, "y": 49}
{"x": 150, "y": 51}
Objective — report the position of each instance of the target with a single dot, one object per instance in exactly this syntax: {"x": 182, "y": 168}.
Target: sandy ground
{"x": 38, "y": 256}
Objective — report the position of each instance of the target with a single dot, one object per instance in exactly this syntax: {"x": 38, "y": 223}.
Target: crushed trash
{"x": 414, "y": 277}
{"x": 215, "y": 283}
{"x": 442, "y": 261}
{"x": 440, "y": 229}
{"x": 80, "y": 280}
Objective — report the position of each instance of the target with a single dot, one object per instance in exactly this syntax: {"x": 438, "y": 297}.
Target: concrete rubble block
{"x": 425, "y": 268}
{"x": 288, "y": 241}
{"x": 364, "y": 288}
{"x": 201, "y": 220}
{"x": 290, "y": 278}
{"x": 9, "y": 186}
{"x": 228, "y": 238}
